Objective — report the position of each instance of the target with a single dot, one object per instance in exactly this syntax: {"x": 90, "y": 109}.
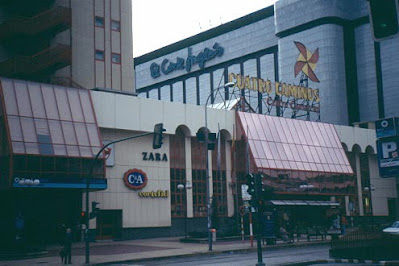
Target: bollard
{"x": 213, "y": 231}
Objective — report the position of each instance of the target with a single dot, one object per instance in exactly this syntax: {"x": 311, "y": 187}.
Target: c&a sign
{"x": 135, "y": 179}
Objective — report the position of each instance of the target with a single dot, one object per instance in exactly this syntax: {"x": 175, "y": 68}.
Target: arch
{"x": 370, "y": 150}
{"x": 344, "y": 146}
{"x": 226, "y": 134}
{"x": 184, "y": 129}
{"x": 356, "y": 148}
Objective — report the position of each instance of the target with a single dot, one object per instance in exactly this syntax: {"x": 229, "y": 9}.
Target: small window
{"x": 100, "y": 55}
{"x": 116, "y": 58}
{"x": 115, "y": 25}
{"x": 99, "y": 22}
{"x": 45, "y": 147}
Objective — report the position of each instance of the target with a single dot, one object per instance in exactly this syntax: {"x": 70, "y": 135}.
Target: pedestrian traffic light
{"x": 94, "y": 210}
{"x": 82, "y": 218}
{"x": 158, "y": 136}
{"x": 383, "y": 16}
{"x": 211, "y": 141}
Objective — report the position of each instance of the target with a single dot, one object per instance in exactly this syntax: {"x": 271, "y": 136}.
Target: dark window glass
{"x": 116, "y": 58}
{"x": 45, "y": 147}
{"x": 115, "y": 25}
{"x": 99, "y": 21}
{"x": 100, "y": 55}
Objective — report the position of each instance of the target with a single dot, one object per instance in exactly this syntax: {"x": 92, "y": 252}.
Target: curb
{"x": 352, "y": 261}
{"x": 22, "y": 256}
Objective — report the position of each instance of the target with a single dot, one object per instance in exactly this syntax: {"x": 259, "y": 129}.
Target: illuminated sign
{"x": 135, "y": 179}
{"x": 154, "y": 194}
{"x": 167, "y": 66}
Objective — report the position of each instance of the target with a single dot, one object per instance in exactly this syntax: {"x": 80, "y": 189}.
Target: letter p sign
{"x": 387, "y": 149}
{"x": 388, "y": 156}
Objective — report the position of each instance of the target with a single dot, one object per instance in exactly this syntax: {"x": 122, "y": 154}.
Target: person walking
{"x": 68, "y": 246}
{"x": 344, "y": 222}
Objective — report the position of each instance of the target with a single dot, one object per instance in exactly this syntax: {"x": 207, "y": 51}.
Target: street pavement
{"x": 104, "y": 252}
{"x": 131, "y": 251}
{"x": 271, "y": 257}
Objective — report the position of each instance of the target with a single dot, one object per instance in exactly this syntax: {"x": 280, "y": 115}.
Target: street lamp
{"x": 208, "y": 194}
{"x": 186, "y": 187}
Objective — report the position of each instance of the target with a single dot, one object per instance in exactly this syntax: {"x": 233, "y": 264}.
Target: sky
{"x": 158, "y": 23}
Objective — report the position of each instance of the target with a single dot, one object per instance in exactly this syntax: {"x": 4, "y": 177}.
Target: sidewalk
{"x": 103, "y": 252}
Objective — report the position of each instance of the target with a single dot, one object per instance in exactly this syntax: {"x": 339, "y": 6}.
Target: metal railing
{"x": 366, "y": 243}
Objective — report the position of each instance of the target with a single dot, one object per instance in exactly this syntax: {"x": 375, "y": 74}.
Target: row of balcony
{"x": 42, "y": 63}
{"x": 50, "y": 21}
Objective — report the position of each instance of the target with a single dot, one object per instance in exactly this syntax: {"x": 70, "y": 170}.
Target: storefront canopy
{"x": 45, "y": 119}
{"x": 291, "y": 144}
{"x": 304, "y": 203}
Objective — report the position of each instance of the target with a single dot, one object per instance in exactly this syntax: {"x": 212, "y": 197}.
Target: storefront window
{"x": 219, "y": 178}
{"x": 199, "y": 178}
{"x": 178, "y": 174}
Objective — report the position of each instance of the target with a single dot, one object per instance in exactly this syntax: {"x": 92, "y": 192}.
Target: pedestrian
{"x": 68, "y": 246}
{"x": 19, "y": 225}
{"x": 344, "y": 222}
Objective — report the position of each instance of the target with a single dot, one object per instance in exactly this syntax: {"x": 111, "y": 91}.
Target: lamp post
{"x": 207, "y": 176}
{"x": 181, "y": 187}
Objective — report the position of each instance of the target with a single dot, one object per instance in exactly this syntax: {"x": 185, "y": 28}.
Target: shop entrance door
{"x": 109, "y": 224}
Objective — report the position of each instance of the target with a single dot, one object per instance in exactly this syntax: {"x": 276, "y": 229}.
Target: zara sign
{"x": 388, "y": 156}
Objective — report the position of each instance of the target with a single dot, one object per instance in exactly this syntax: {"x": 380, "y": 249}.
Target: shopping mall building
{"x": 293, "y": 88}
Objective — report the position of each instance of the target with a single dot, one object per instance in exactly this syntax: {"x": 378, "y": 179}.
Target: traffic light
{"x": 82, "y": 218}
{"x": 158, "y": 136}
{"x": 251, "y": 185}
{"x": 383, "y": 18}
{"x": 94, "y": 209}
{"x": 259, "y": 190}
{"x": 211, "y": 141}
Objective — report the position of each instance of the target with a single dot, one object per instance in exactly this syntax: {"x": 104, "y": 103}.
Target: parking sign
{"x": 388, "y": 156}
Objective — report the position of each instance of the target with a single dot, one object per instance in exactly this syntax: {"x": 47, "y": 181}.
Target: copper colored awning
{"x": 45, "y": 119}
{"x": 291, "y": 144}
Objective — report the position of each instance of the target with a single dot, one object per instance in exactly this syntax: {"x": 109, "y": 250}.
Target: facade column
{"x": 189, "y": 177}
{"x": 229, "y": 187}
{"x": 210, "y": 175}
{"x": 373, "y": 170}
{"x": 359, "y": 182}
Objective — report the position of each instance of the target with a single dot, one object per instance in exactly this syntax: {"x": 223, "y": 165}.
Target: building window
{"x": 115, "y": 25}
{"x": 178, "y": 174}
{"x": 99, "y": 21}
{"x": 100, "y": 55}
{"x": 219, "y": 179}
{"x": 45, "y": 144}
{"x": 199, "y": 178}
{"x": 116, "y": 58}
